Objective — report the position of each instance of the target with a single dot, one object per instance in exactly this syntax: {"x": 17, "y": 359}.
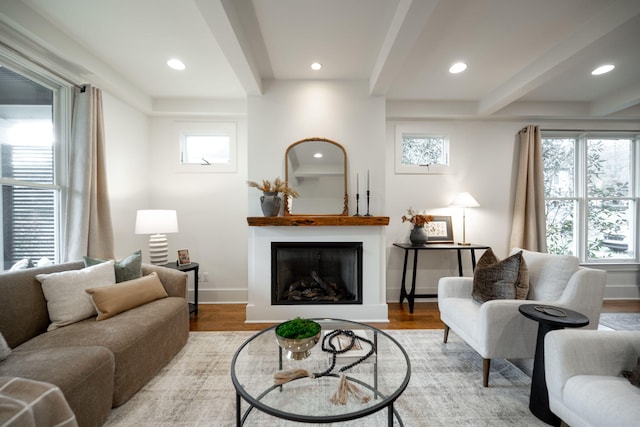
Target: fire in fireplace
{"x": 316, "y": 273}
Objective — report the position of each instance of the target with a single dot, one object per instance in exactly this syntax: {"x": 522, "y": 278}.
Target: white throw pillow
{"x": 548, "y": 274}
{"x": 67, "y": 301}
{"x": 5, "y": 350}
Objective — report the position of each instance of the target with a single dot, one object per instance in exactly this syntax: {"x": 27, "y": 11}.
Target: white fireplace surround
{"x": 374, "y": 306}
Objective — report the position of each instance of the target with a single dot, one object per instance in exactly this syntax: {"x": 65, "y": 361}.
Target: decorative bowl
{"x": 298, "y": 348}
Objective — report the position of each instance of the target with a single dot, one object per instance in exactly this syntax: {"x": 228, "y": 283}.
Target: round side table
{"x": 549, "y": 318}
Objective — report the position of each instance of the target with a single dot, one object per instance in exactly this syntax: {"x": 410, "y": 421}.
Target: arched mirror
{"x": 316, "y": 168}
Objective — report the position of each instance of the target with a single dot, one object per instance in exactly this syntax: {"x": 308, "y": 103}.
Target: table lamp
{"x": 464, "y": 200}
{"x": 156, "y": 223}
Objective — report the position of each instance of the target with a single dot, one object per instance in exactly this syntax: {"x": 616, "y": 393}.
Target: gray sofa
{"x": 97, "y": 364}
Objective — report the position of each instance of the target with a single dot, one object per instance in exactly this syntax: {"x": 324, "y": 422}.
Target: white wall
{"x": 127, "y": 147}
{"x": 212, "y": 208}
{"x": 342, "y": 111}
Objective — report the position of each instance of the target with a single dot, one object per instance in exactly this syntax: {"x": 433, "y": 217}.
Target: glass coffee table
{"x": 383, "y": 376}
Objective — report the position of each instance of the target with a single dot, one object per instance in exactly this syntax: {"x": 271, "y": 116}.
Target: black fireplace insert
{"x": 316, "y": 273}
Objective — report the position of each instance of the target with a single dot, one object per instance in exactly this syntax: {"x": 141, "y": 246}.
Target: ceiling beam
{"x": 548, "y": 65}
{"x": 624, "y": 99}
{"x": 408, "y": 22}
{"x": 222, "y": 19}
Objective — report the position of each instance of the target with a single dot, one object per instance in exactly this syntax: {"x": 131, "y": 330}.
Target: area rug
{"x": 621, "y": 321}
{"x": 445, "y": 389}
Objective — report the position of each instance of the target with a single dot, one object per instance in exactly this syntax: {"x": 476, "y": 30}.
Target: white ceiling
{"x": 519, "y": 52}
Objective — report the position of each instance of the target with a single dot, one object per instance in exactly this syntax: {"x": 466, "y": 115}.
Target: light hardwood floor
{"x": 231, "y": 317}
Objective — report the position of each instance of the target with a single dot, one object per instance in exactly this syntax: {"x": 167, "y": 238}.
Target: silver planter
{"x": 298, "y": 349}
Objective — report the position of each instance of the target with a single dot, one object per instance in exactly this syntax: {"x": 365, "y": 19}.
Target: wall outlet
{"x": 203, "y": 277}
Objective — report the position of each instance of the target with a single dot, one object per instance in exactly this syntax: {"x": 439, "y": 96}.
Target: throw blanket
{"x": 29, "y": 403}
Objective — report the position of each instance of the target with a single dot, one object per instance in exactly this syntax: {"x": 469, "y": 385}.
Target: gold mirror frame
{"x": 345, "y": 209}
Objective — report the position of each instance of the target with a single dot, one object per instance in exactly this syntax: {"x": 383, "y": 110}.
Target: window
{"x": 421, "y": 150}
{"x": 208, "y": 147}
{"x": 31, "y": 192}
{"x": 591, "y": 195}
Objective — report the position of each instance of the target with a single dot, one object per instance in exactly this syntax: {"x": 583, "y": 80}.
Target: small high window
{"x": 208, "y": 147}
{"x": 421, "y": 151}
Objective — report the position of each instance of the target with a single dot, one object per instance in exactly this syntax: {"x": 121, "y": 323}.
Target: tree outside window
{"x": 589, "y": 196}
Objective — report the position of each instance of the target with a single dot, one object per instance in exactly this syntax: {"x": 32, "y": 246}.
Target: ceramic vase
{"x": 270, "y": 203}
{"x": 418, "y": 235}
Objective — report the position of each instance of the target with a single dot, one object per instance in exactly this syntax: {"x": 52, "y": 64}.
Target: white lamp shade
{"x": 154, "y": 221}
{"x": 464, "y": 200}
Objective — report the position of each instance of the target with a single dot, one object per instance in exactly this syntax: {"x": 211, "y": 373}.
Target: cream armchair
{"x": 496, "y": 329}
{"x": 583, "y": 372}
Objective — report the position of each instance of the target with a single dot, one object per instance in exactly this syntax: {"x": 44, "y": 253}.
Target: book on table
{"x": 359, "y": 349}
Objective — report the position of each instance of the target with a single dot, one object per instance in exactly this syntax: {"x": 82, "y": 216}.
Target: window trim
{"x": 62, "y": 106}
{"x": 427, "y": 131}
{"x": 184, "y": 128}
{"x": 582, "y": 199}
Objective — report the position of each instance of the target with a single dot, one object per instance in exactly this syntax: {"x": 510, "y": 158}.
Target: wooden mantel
{"x": 317, "y": 220}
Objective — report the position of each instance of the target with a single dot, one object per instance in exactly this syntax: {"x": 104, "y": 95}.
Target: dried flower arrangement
{"x": 278, "y": 186}
{"x": 417, "y": 218}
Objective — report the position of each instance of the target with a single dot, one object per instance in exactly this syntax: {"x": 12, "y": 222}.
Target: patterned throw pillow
{"x": 633, "y": 376}
{"x": 5, "y": 350}
{"x": 494, "y": 279}
{"x": 128, "y": 269}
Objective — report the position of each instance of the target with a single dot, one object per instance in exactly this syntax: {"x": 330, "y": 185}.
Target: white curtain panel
{"x": 529, "y": 228}
{"x": 88, "y": 227}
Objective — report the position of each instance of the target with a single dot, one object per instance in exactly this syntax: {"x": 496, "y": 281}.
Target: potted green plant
{"x": 297, "y": 337}
{"x": 270, "y": 200}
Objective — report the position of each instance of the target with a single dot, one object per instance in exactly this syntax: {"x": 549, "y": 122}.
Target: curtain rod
{"x": 591, "y": 130}
{"x": 44, "y": 66}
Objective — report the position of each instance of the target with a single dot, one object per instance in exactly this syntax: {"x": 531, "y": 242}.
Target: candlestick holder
{"x": 357, "y": 204}
{"x": 367, "y": 214}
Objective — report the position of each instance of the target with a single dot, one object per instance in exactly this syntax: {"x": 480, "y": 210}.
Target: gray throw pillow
{"x": 5, "y": 350}
{"x": 494, "y": 279}
{"x": 128, "y": 269}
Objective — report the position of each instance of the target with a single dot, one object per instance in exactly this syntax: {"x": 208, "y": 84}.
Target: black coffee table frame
{"x": 385, "y": 402}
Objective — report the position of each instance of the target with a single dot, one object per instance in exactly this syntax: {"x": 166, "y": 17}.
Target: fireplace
{"x": 316, "y": 273}
{"x": 371, "y": 305}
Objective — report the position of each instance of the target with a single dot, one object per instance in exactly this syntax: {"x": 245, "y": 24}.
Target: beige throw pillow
{"x": 67, "y": 302}
{"x": 494, "y": 279}
{"x": 124, "y": 296}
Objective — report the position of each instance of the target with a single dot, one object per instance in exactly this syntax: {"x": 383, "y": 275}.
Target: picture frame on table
{"x": 439, "y": 230}
{"x": 183, "y": 257}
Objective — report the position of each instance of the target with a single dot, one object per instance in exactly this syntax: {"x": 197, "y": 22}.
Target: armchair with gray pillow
{"x": 495, "y": 328}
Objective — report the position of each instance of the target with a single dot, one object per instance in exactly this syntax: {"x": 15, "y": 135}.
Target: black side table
{"x": 407, "y": 247}
{"x": 549, "y": 318}
{"x": 193, "y": 266}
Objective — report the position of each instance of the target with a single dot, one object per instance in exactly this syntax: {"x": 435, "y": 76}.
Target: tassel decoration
{"x": 345, "y": 388}
{"x": 282, "y": 377}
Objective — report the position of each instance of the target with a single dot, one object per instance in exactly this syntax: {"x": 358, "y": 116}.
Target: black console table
{"x": 549, "y": 318}
{"x": 193, "y": 266}
{"x": 408, "y": 247}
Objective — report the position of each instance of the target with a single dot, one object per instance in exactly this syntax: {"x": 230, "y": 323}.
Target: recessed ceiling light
{"x": 458, "y": 67}
{"x": 603, "y": 69}
{"x": 316, "y": 66}
{"x": 176, "y": 64}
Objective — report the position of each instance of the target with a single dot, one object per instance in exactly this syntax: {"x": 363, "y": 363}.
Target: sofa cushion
{"x": 494, "y": 279}
{"x": 548, "y": 273}
{"x": 5, "y": 350}
{"x": 85, "y": 374}
{"x": 67, "y": 301}
{"x": 127, "y": 269}
{"x": 111, "y": 300}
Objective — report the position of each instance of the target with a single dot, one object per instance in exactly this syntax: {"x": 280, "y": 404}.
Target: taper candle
{"x": 367, "y": 179}
{"x": 357, "y": 183}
